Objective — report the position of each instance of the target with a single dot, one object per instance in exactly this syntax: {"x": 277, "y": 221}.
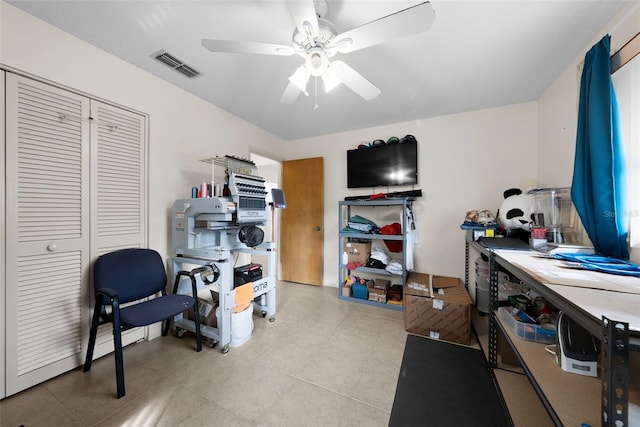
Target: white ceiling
{"x": 478, "y": 54}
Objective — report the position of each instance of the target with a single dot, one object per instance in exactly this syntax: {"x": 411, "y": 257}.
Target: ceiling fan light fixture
{"x": 300, "y": 79}
{"x": 330, "y": 80}
{"x": 317, "y": 62}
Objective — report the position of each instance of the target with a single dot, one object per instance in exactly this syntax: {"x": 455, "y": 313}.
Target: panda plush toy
{"x": 516, "y": 212}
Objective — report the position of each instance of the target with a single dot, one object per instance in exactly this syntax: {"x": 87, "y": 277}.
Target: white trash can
{"x": 241, "y": 326}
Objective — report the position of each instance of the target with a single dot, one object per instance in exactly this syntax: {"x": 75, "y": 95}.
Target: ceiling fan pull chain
{"x": 315, "y": 107}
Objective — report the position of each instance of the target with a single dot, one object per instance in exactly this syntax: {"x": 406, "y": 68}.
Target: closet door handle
{"x": 317, "y": 228}
{"x": 52, "y": 247}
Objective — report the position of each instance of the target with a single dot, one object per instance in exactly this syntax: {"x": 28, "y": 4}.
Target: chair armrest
{"x": 192, "y": 275}
{"x": 107, "y": 294}
{"x": 107, "y": 297}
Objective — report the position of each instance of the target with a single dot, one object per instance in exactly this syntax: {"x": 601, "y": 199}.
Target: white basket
{"x": 241, "y": 326}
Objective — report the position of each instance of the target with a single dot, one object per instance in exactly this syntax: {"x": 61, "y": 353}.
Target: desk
{"x": 608, "y": 306}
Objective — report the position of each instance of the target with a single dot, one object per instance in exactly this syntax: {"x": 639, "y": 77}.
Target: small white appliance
{"x": 576, "y": 350}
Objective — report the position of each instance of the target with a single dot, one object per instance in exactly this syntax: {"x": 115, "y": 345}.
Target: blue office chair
{"x": 129, "y": 275}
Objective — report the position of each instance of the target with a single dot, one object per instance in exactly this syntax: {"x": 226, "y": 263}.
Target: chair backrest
{"x": 132, "y": 273}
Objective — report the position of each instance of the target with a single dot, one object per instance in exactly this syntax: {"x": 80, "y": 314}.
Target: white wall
{"x": 468, "y": 159}
{"x": 183, "y": 128}
{"x": 558, "y": 106}
{"x": 465, "y": 162}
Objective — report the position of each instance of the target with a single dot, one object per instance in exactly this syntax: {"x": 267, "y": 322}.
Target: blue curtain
{"x": 599, "y": 187}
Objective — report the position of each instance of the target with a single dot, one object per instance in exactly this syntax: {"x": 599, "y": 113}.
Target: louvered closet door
{"x": 47, "y": 230}
{"x": 118, "y": 193}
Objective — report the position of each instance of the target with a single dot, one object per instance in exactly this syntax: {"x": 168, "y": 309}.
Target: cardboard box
{"x": 383, "y": 284}
{"x": 207, "y": 314}
{"x": 443, "y": 313}
{"x": 395, "y": 293}
{"x": 378, "y": 290}
{"x": 358, "y": 252}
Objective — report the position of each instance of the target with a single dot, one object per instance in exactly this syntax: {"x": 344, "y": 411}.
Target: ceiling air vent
{"x": 175, "y": 63}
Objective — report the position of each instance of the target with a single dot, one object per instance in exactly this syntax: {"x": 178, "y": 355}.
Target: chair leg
{"x": 95, "y": 322}
{"x": 167, "y": 322}
{"x": 165, "y": 326}
{"x": 196, "y": 308}
{"x": 117, "y": 344}
{"x": 197, "y": 325}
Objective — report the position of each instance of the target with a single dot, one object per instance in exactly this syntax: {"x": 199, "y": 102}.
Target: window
{"x": 626, "y": 81}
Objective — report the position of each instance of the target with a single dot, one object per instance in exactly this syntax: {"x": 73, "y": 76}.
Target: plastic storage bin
{"x": 527, "y": 331}
{"x": 359, "y": 291}
{"x": 482, "y": 294}
{"x": 482, "y": 267}
{"x": 482, "y": 288}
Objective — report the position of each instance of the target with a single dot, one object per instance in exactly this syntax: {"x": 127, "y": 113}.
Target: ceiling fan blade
{"x": 304, "y": 15}
{"x": 407, "y": 22}
{"x": 354, "y": 80}
{"x": 247, "y": 47}
{"x": 297, "y": 84}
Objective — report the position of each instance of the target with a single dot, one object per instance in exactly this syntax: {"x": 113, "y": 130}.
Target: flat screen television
{"x": 385, "y": 165}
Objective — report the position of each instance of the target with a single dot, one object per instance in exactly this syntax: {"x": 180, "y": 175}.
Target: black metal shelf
{"x": 616, "y": 356}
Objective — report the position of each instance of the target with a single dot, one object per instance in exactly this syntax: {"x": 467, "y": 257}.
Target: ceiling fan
{"x": 315, "y": 39}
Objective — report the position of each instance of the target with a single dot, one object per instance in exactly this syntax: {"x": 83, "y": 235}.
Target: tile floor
{"x": 323, "y": 362}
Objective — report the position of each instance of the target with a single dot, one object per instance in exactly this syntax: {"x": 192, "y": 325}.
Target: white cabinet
{"x": 382, "y": 212}
{"x": 75, "y": 187}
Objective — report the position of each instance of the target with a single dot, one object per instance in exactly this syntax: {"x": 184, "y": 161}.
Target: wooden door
{"x": 302, "y": 226}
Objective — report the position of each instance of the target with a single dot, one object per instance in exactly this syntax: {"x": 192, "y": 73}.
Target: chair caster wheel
{"x": 272, "y": 319}
{"x": 264, "y": 313}
{"x": 212, "y": 343}
{"x": 225, "y": 349}
{"x": 180, "y": 332}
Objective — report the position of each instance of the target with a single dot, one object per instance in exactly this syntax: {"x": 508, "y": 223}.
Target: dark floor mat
{"x": 444, "y": 384}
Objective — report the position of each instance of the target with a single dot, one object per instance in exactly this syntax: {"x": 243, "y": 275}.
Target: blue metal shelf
{"x": 371, "y": 236}
{"x": 343, "y": 216}
{"x": 374, "y": 303}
